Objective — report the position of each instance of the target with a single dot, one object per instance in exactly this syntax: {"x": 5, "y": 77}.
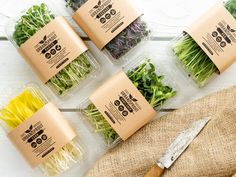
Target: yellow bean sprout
{"x": 24, "y": 106}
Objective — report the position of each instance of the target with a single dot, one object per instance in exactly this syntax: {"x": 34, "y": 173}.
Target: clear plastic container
{"x": 192, "y": 59}
{"x": 118, "y": 49}
{"x": 141, "y": 72}
{"x": 21, "y": 107}
{"x": 36, "y": 16}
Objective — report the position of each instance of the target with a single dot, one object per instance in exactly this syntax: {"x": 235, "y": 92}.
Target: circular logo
{"x": 113, "y": 11}
{"x": 125, "y": 113}
{"x": 223, "y": 44}
{"x": 48, "y": 55}
{"x": 33, "y": 145}
{"x": 108, "y": 16}
{"x": 44, "y": 137}
{"x": 103, "y": 20}
{"x": 214, "y": 34}
{"x": 53, "y": 51}
{"x": 117, "y": 102}
{"x": 121, "y": 108}
{"x": 219, "y": 39}
{"x": 58, "y": 47}
{"x": 39, "y": 141}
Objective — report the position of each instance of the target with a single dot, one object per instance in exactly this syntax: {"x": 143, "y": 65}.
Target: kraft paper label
{"x": 215, "y": 33}
{"x": 123, "y": 106}
{"x": 52, "y": 48}
{"x": 42, "y": 135}
{"x": 103, "y": 20}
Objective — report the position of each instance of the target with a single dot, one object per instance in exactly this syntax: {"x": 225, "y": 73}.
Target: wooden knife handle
{"x": 155, "y": 171}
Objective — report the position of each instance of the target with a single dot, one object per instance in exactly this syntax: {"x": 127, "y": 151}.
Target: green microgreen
{"x": 195, "y": 61}
{"x": 148, "y": 82}
{"x": 32, "y": 21}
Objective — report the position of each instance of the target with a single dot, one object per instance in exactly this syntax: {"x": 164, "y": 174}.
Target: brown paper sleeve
{"x": 52, "y": 48}
{"x": 42, "y": 135}
{"x": 103, "y": 20}
{"x": 122, "y": 105}
{"x": 215, "y": 33}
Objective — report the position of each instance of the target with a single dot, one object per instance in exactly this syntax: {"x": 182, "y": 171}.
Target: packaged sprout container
{"x": 40, "y": 132}
{"x": 114, "y": 26}
{"x": 207, "y": 47}
{"x": 52, "y": 48}
{"x": 126, "y": 102}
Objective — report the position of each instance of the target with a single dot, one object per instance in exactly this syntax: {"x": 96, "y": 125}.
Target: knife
{"x": 179, "y": 145}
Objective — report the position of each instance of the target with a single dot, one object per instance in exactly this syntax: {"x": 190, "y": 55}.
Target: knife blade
{"x": 178, "y": 146}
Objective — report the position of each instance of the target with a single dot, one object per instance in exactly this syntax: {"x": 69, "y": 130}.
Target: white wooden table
{"x": 167, "y": 19}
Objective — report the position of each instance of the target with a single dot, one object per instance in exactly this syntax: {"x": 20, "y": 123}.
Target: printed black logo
{"x": 230, "y": 29}
{"x": 122, "y": 105}
{"x": 98, "y": 5}
{"x": 29, "y": 130}
{"x": 103, "y": 11}
{"x": 126, "y": 103}
{"x": 132, "y": 98}
{"x": 49, "y": 46}
{"x": 223, "y": 35}
{"x": 38, "y": 140}
{"x": 34, "y": 135}
{"x": 44, "y": 39}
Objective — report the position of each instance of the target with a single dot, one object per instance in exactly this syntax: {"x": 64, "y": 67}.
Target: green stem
{"x": 78, "y": 70}
{"x": 144, "y": 77}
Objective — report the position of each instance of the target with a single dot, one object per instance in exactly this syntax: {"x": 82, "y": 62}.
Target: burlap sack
{"x": 211, "y": 154}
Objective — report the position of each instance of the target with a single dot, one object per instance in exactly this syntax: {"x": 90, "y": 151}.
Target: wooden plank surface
{"x": 166, "y": 18}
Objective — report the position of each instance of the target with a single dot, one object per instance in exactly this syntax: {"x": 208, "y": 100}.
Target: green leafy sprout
{"x": 151, "y": 86}
{"x": 195, "y": 61}
{"x": 32, "y": 21}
